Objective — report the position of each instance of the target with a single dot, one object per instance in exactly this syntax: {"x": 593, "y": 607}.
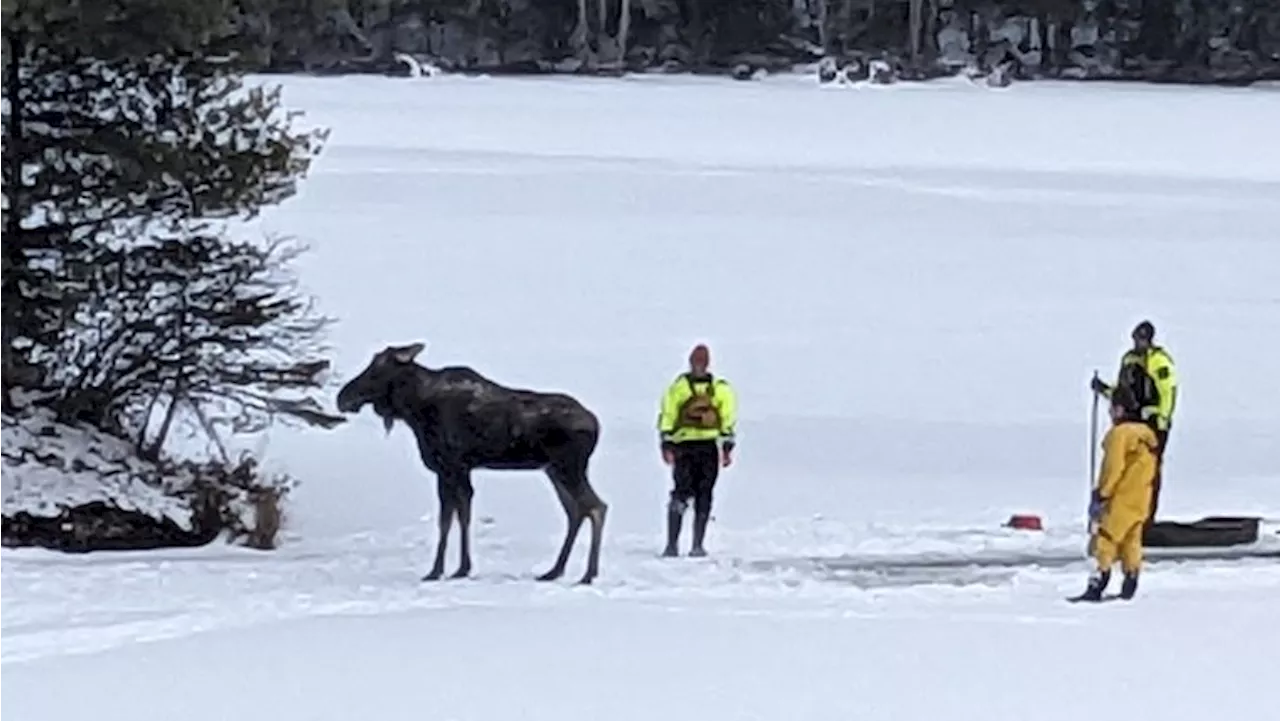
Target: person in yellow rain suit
{"x": 1121, "y": 500}
{"x": 696, "y": 425}
{"x": 1147, "y": 371}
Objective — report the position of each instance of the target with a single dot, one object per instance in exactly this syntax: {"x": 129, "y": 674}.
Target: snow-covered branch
{"x": 198, "y": 320}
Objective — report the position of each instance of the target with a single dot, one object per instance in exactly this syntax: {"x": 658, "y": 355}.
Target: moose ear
{"x": 406, "y": 354}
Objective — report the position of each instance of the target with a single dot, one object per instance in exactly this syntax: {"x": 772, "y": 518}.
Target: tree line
{"x": 1175, "y": 40}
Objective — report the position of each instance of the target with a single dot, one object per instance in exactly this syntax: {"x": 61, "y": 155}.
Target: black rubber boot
{"x": 1097, "y": 584}
{"x": 699, "y": 534}
{"x": 1130, "y": 585}
{"x": 674, "y": 521}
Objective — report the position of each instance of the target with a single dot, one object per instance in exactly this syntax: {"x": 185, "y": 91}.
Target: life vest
{"x": 1135, "y": 376}
{"x": 699, "y": 410}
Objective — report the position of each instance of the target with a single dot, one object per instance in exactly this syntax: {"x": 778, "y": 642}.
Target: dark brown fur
{"x": 464, "y": 421}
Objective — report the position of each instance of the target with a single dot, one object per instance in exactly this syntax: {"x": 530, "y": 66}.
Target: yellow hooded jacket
{"x": 1125, "y": 479}
{"x": 671, "y": 424}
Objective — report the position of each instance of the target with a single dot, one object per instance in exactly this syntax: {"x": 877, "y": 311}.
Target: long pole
{"x": 1093, "y": 462}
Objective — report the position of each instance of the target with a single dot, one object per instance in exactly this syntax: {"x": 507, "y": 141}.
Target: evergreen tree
{"x": 195, "y": 328}
{"x": 130, "y": 140}
{"x": 62, "y": 135}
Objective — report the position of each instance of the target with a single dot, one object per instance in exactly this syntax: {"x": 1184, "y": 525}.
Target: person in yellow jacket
{"x": 1147, "y": 371}
{"x": 1121, "y": 500}
{"x": 696, "y": 425}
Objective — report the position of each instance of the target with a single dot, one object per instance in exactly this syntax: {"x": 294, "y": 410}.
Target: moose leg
{"x": 596, "y": 510}
{"x": 462, "y": 499}
{"x": 574, "y": 517}
{"x": 448, "y": 505}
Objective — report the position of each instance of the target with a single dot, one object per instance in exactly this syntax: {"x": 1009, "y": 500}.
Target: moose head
{"x": 373, "y": 385}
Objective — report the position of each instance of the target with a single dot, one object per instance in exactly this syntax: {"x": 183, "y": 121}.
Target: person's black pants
{"x": 1162, "y": 439}
{"x": 696, "y": 467}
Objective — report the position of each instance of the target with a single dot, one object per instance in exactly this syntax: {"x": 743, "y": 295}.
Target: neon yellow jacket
{"x": 1154, "y": 381}
{"x": 682, "y": 389}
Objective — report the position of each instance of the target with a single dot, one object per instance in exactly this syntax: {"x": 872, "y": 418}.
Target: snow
{"x": 49, "y": 467}
{"x": 909, "y": 287}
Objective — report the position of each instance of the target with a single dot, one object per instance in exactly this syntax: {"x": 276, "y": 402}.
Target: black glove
{"x": 1098, "y": 386}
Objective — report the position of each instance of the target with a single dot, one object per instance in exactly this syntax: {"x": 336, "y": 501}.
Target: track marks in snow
{"x": 56, "y": 605}
{"x": 1113, "y": 188}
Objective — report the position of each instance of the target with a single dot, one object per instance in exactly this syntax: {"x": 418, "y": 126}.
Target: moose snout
{"x": 348, "y": 402}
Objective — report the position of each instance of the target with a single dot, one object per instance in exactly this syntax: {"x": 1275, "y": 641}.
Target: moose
{"x": 464, "y": 421}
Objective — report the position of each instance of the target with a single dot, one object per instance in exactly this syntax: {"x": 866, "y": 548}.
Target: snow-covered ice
{"x": 910, "y": 288}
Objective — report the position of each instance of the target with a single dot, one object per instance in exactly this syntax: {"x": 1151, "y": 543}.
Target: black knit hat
{"x": 1122, "y": 396}
{"x": 1144, "y": 330}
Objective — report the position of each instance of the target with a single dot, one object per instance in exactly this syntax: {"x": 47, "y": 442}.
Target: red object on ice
{"x": 1025, "y": 522}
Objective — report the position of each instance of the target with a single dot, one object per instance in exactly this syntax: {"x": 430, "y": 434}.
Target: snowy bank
{"x": 74, "y": 488}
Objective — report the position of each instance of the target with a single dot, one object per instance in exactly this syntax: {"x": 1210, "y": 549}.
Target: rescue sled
{"x": 1212, "y": 538}
{"x": 1211, "y": 532}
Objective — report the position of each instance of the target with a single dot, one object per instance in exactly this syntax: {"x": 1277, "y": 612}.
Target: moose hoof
{"x": 551, "y": 575}
{"x": 461, "y": 573}
{"x": 434, "y": 575}
{"x": 587, "y": 579}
